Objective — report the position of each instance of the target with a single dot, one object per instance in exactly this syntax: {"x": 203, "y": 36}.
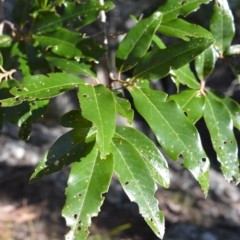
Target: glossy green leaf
{"x": 137, "y": 42}
{"x": 46, "y": 22}
{"x": 79, "y": 15}
{"x": 153, "y": 158}
{"x": 180, "y": 28}
{"x": 222, "y": 25}
{"x": 62, "y": 42}
{"x": 42, "y": 87}
{"x": 174, "y": 8}
{"x": 185, "y": 76}
{"x": 205, "y": 63}
{"x": 1, "y": 60}
{"x": 233, "y": 50}
{"x": 191, "y": 102}
{"x": 98, "y": 106}
{"x": 87, "y": 182}
{"x": 38, "y": 109}
{"x": 137, "y": 182}
{"x": 224, "y": 143}
{"x": 71, "y": 66}
{"x": 175, "y": 133}
{"x": 5, "y": 41}
{"x": 69, "y": 148}
{"x": 157, "y": 64}
{"x": 123, "y": 107}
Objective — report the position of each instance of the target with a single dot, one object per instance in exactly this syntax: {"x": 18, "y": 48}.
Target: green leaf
{"x": 38, "y": 109}
{"x": 185, "y": 76}
{"x": 5, "y": 41}
{"x": 191, "y": 102}
{"x": 98, "y": 106}
{"x": 79, "y": 15}
{"x": 175, "y": 133}
{"x": 62, "y": 42}
{"x": 157, "y": 43}
{"x": 220, "y": 126}
{"x": 180, "y": 28}
{"x": 174, "y": 8}
{"x": 154, "y": 160}
{"x": 137, "y": 182}
{"x": 69, "y": 148}
{"x": 137, "y": 42}
{"x": 233, "y": 50}
{"x": 73, "y": 67}
{"x": 222, "y": 25}
{"x": 46, "y": 22}
{"x": 87, "y": 182}
{"x": 205, "y": 63}
{"x": 42, "y": 87}
{"x": 157, "y": 64}
{"x": 1, "y": 60}
{"x": 123, "y": 107}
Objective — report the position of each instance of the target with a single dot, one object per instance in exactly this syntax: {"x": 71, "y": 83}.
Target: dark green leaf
{"x": 38, "y": 109}
{"x": 123, "y": 107}
{"x": 174, "y": 8}
{"x": 46, "y": 22}
{"x": 42, "y": 87}
{"x": 205, "y": 63}
{"x": 154, "y": 160}
{"x": 185, "y": 76}
{"x": 175, "y": 133}
{"x": 62, "y": 42}
{"x": 137, "y": 42}
{"x": 71, "y": 66}
{"x": 191, "y": 102}
{"x": 87, "y": 182}
{"x": 5, "y": 41}
{"x": 222, "y": 25}
{"x": 69, "y": 148}
{"x": 157, "y": 64}
{"x": 180, "y": 28}
{"x": 137, "y": 182}
{"x": 220, "y": 127}
{"x": 98, "y": 106}
{"x": 79, "y": 15}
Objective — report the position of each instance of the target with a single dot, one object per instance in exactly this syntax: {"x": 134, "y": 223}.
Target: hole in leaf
{"x": 75, "y": 216}
{"x": 186, "y": 113}
{"x": 19, "y": 90}
{"x": 231, "y": 141}
{"x": 79, "y": 228}
{"x": 220, "y": 148}
{"x": 183, "y": 2}
{"x": 204, "y": 159}
{"x": 225, "y": 142}
{"x": 126, "y": 183}
{"x": 79, "y": 194}
{"x": 151, "y": 219}
{"x": 85, "y": 95}
{"x": 79, "y": 222}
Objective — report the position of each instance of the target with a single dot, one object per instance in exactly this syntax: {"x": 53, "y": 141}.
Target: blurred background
{"x": 33, "y": 211}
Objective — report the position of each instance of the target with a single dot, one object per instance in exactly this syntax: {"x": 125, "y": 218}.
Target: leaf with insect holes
{"x": 38, "y": 109}
{"x": 175, "y": 133}
{"x": 171, "y": 9}
{"x": 42, "y": 87}
{"x": 137, "y": 182}
{"x": 98, "y": 106}
{"x": 158, "y": 63}
{"x": 180, "y": 28}
{"x": 87, "y": 182}
{"x": 222, "y": 25}
{"x": 191, "y": 102}
{"x": 137, "y": 42}
{"x": 224, "y": 143}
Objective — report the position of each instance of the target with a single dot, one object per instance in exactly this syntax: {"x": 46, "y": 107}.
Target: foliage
{"x": 53, "y": 55}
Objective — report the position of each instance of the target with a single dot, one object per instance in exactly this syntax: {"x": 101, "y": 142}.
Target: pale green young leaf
{"x": 222, "y": 25}
{"x": 62, "y": 42}
{"x": 158, "y": 63}
{"x": 137, "y": 182}
{"x": 220, "y": 126}
{"x": 123, "y": 107}
{"x": 171, "y": 9}
{"x": 98, "y": 106}
{"x": 42, "y": 87}
{"x": 180, "y": 28}
{"x": 137, "y": 42}
{"x": 72, "y": 66}
{"x": 191, "y": 102}
{"x": 5, "y": 41}
{"x": 205, "y": 63}
{"x": 185, "y": 76}
{"x": 87, "y": 182}
{"x": 157, "y": 42}
{"x": 153, "y": 158}
{"x": 175, "y": 133}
